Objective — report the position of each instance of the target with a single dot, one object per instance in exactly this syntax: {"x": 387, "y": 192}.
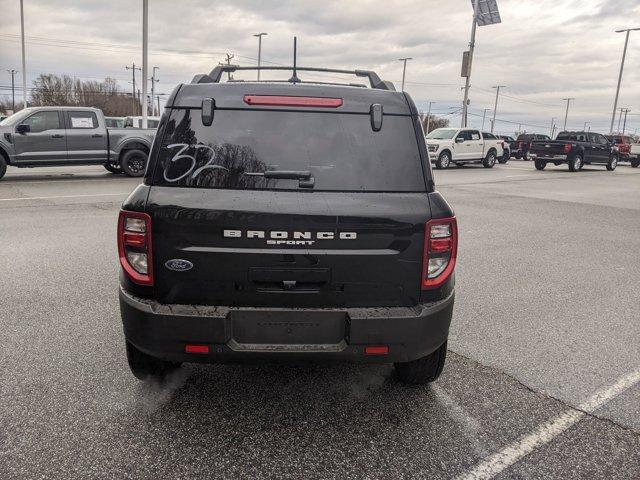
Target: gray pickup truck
{"x": 57, "y": 136}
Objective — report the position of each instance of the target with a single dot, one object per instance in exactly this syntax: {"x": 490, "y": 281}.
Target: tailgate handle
{"x": 289, "y": 284}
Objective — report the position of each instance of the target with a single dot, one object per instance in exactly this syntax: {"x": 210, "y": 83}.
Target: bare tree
{"x": 434, "y": 122}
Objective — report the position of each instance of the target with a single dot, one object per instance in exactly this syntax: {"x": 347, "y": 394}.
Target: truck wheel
{"x": 540, "y": 164}
{"x": 490, "y": 159}
{"x": 444, "y": 159}
{"x": 110, "y": 167}
{"x": 613, "y": 163}
{"x": 3, "y": 166}
{"x": 575, "y": 163}
{"x": 423, "y": 370}
{"x": 635, "y": 162}
{"x": 504, "y": 158}
{"x": 134, "y": 162}
{"x": 145, "y": 366}
{"x": 526, "y": 156}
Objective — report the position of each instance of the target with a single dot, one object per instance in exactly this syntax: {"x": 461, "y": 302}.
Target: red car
{"x": 623, "y": 143}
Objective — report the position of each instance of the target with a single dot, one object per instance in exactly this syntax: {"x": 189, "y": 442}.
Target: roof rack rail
{"x": 216, "y": 74}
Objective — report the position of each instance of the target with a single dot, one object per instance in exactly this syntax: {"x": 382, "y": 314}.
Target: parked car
{"x": 523, "y": 143}
{"x": 491, "y": 139}
{"x": 622, "y": 143}
{"x": 634, "y": 155}
{"x": 331, "y": 245}
{"x": 114, "y": 122}
{"x": 508, "y": 142}
{"x": 576, "y": 149}
{"x": 136, "y": 122}
{"x": 460, "y": 146}
{"x": 56, "y": 136}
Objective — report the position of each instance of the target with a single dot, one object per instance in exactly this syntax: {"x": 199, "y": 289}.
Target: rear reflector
{"x": 201, "y": 349}
{"x": 376, "y": 350}
{"x": 281, "y": 101}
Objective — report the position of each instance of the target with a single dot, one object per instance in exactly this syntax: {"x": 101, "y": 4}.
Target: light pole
{"x": 428, "y": 118}
{"x": 259, "y": 35}
{"x": 404, "y": 68}
{"x": 495, "y": 107}
{"x": 153, "y": 91}
{"x": 624, "y": 124}
{"x": 13, "y": 90}
{"x": 624, "y": 54}
{"x": 24, "y": 61}
{"x": 485, "y": 12}
{"x": 484, "y": 114}
{"x": 145, "y": 60}
{"x": 553, "y": 121}
{"x": 566, "y": 113}
{"x": 584, "y": 127}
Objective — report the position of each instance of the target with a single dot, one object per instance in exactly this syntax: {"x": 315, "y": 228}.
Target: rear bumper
{"x": 550, "y": 158}
{"x": 239, "y": 334}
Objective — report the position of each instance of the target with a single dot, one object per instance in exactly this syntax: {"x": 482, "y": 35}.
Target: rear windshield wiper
{"x": 303, "y": 176}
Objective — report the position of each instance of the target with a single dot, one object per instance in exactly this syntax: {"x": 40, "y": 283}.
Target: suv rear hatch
{"x": 338, "y": 220}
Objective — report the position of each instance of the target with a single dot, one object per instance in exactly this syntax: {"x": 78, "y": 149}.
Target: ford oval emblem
{"x": 178, "y": 265}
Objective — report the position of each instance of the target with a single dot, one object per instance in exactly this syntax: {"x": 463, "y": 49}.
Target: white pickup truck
{"x": 463, "y": 145}
{"x": 634, "y": 155}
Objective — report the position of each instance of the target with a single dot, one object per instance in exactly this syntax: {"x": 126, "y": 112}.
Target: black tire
{"x": 423, "y": 370}
{"x": 635, "y": 162}
{"x": 444, "y": 160}
{"x": 540, "y": 164}
{"x": 576, "y": 163}
{"x": 504, "y": 158}
{"x": 517, "y": 156}
{"x": 134, "y": 162}
{"x": 110, "y": 167}
{"x": 145, "y": 366}
{"x": 613, "y": 163}
{"x": 490, "y": 160}
{"x": 526, "y": 156}
{"x": 3, "y": 166}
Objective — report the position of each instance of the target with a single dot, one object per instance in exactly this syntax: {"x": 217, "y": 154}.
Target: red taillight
{"x": 566, "y": 148}
{"x": 281, "y": 101}
{"x": 201, "y": 349}
{"x": 440, "y": 251}
{"x": 134, "y": 246}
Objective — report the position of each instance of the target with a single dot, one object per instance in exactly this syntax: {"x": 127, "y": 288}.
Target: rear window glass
{"x": 340, "y": 151}
{"x": 578, "y": 137}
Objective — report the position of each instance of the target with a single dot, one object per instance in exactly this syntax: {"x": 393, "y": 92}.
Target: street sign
{"x": 487, "y": 13}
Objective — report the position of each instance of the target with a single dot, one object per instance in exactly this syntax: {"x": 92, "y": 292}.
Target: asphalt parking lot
{"x": 542, "y": 377}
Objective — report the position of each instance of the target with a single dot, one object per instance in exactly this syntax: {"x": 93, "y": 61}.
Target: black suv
{"x": 287, "y": 220}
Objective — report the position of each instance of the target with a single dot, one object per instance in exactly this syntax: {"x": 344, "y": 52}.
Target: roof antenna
{"x": 294, "y": 78}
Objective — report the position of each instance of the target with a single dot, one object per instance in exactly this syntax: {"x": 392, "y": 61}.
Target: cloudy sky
{"x": 543, "y": 51}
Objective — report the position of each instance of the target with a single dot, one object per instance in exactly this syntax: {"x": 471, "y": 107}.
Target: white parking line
{"x": 549, "y": 430}
{"x": 63, "y": 196}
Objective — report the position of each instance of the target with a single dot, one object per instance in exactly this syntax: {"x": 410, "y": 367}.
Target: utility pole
{"x": 24, "y": 61}
{"x": 428, "y": 117}
{"x": 229, "y": 57}
{"x": 624, "y": 124}
{"x": 133, "y": 69}
{"x": 404, "y": 69}
{"x": 484, "y": 114}
{"x": 624, "y": 54}
{"x": 153, "y": 91}
{"x": 13, "y": 90}
{"x": 259, "y": 35}
{"x": 584, "y": 127}
{"x": 472, "y": 44}
{"x": 145, "y": 60}
{"x": 566, "y": 113}
{"x": 158, "y": 99}
{"x": 619, "y": 118}
{"x": 495, "y": 107}
{"x": 553, "y": 124}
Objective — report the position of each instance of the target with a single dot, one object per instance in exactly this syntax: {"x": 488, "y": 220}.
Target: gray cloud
{"x": 543, "y": 51}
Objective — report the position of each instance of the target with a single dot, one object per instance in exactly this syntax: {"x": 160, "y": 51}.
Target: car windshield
{"x": 280, "y": 150}
{"x": 442, "y": 133}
